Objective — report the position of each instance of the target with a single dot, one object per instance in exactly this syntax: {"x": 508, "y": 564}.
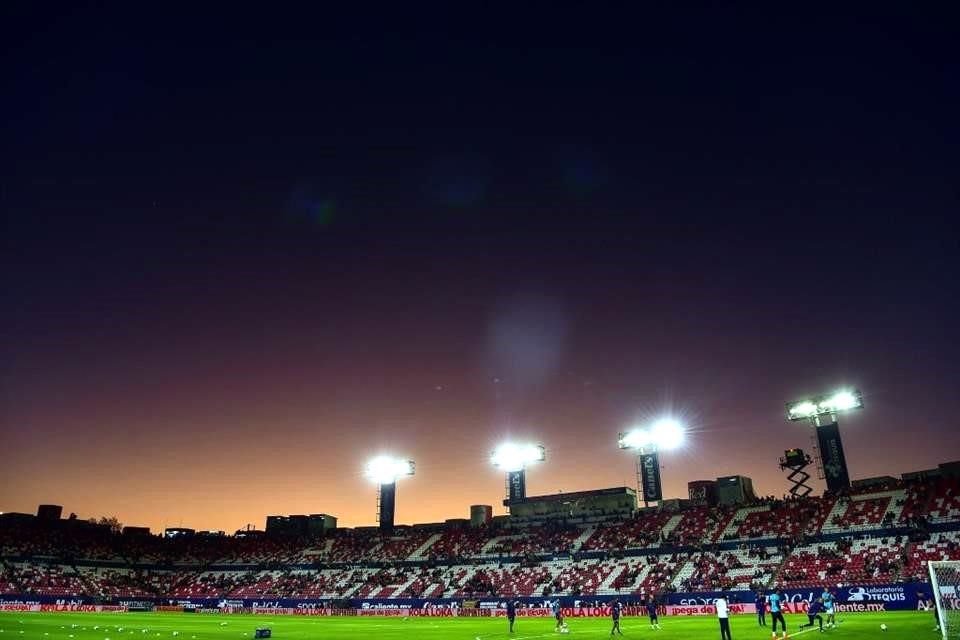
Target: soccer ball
{"x": 564, "y": 629}
{"x": 883, "y": 627}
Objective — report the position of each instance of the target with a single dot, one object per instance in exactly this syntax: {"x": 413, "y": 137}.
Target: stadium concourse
{"x": 877, "y": 535}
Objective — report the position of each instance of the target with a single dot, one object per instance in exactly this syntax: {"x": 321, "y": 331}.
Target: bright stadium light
{"x": 842, "y": 401}
{"x": 826, "y": 405}
{"x": 386, "y": 470}
{"x": 662, "y": 434}
{"x": 667, "y": 433}
{"x": 634, "y": 439}
{"x": 512, "y": 457}
{"x": 802, "y": 409}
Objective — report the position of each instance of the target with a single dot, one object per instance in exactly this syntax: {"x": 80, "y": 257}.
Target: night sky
{"x": 242, "y": 253}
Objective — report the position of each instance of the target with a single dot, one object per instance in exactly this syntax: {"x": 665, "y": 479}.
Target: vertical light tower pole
{"x": 647, "y": 441}
{"x": 385, "y": 471}
{"x": 821, "y": 412}
{"x": 514, "y": 459}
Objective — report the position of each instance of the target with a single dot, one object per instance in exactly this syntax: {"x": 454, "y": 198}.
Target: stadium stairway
{"x": 579, "y": 541}
{"x": 670, "y": 526}
{"x": 606, "y": 585}
{"x": 489, "y": 547}
{"x": 637, "y": 583}
{"x": 892, "y": 501}
{"x": 733, "y": 527}
{"x": 774, "y": 579}
{"x": 458, "y": 576}
{"x": 420, "y": 552}
{"x": 404, "y": 585}
{"x": 684, "y": 571}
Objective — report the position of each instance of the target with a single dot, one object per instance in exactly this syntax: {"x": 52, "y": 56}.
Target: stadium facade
{"x": 870, "y": 544}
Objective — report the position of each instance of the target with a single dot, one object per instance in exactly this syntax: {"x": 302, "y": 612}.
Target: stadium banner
{"x": 850, "y": 598}
{"x": 52, "y": 608}
{"x": 517, "y": 483}
{"x": 297, "y": 611}
{"x": 831, "y": 453}
{"x": 649, "y": 464}
{"x": 706, "y": 609}
{"x": 19, "y": 607}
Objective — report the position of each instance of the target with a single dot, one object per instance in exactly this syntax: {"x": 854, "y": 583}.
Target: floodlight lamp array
{"x": 829, "y": 404}
{"x": 665, "y": 433}
{"x": 512, "y": 457}
{"x": 386, "y": 470}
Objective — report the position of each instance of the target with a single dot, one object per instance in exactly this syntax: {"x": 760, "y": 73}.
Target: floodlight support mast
{"x": 386, "y": 506}
{"x": 515, "y": 459}
{"x": 665, "y": 433}
{"x": 828, "y": 444}
{"x": 386, "y": 471}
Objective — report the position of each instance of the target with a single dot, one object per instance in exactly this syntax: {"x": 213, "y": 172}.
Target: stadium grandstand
{"x": 587, "y": 545}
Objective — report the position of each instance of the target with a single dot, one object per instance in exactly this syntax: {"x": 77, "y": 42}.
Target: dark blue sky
{"x": 300, "y": 237}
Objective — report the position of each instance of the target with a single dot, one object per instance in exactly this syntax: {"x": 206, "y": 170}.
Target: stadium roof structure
{"x": 576, "y": 495}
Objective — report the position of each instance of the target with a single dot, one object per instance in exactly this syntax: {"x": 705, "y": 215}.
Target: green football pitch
{"x": 182, "y": 626}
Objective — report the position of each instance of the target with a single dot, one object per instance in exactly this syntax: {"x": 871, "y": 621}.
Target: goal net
{"x": 945, "y": 584}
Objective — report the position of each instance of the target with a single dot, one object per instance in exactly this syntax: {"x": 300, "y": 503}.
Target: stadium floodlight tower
{"x": 821, "y": 412}
{"x": 662, "y": 434}
{"x": 514, "y": 459}
{"x": 385, "y": 471}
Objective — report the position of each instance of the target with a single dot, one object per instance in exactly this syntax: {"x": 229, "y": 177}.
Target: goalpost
{"x": 945, "y": 584}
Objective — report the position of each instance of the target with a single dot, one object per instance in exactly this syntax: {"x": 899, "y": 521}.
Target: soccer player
{"x": 557, "y": 613}
{"x": 615, "y": 614}
{"x": 761, "y": 605}
{"x": 511, "y": 612}
{"x": 828, "y": 606}
{"x": 813, "y": 613}
{"x": 776, "y": 613}
{"x": 652, "y": 612}
{"x": 723, "y": 615}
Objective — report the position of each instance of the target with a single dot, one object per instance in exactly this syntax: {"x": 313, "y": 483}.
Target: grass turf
{"x": 162, "y": 626}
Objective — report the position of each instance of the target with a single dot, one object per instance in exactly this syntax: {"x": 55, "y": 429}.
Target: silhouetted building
{"x": 49, "y": 512}
{"x": 702, "y": 492}
{"x": 734, "y": 490}
{"x": 136, "y": 531}
{"x": 480, "y": 514}
{"x": 315, "y": 524}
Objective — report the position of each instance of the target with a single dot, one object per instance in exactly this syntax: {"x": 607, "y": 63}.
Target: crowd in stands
{"x": 873, "y": 535}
